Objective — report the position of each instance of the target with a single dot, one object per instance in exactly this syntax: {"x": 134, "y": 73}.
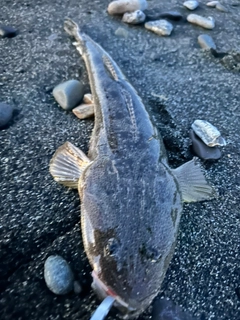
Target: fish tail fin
{"x": 68, "y": 164}
{"x": 193, "y": 184}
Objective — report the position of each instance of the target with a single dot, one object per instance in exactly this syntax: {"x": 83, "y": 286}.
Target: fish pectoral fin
{"x": 193, "y": 184}
{"x": 68, "y": 164}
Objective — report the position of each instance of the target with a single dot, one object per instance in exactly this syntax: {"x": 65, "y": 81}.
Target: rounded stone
{"x": 135, "y": 17}
{"x": 122, "y": 6}
{"x": 191, "y": 5}
{"x": 206, "y": 42}
{"x": 212, "y": 4}
{"x": 58, "y": 275}
{"x": 207, "y": 23}
{"x": 6, "y": 113}
{"x": 68, "y": 94}
{"x": 201, "y": 150}
{"x": 160, "y": 27}
{"x": 220, "y": 7}
{"x": 158, "y": 14}
{"x": 7, "y": 31}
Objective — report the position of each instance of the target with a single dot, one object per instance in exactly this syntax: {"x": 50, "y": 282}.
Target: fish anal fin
{"x": 110, "y": 67}
{"x": 68, "y": 164}
{"x": 193, "y": 184}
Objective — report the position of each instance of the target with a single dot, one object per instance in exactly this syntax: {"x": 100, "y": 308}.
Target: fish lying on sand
{"x": 131, "y": 200}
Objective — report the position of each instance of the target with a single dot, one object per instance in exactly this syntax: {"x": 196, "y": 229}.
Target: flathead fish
{"x": 131, "y": 200}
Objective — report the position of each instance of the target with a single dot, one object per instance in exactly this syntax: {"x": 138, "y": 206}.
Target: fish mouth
{"x": 103, "y": 291}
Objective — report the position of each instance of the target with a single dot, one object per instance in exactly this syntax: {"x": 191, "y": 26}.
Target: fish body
{"x": 131, "y": 201}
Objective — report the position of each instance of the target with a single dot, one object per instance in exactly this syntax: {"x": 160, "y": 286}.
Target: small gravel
{"x": 160, "y": 27}
{"x": 206, "y": 42}
{"x": 6, "y": 113}
{"x": 68, "y": 94}
{"x": 58, "y": 275}
{"x": 212, "y": 4}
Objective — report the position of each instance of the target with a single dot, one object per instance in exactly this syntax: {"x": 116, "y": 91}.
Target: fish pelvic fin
{"x": 68, "y": 164}
{"x": 193, "y": 184}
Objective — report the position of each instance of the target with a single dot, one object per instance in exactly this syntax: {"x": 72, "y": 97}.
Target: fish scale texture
{"x": 178, "y": 83}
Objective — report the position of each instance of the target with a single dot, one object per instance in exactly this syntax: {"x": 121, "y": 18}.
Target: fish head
{"x": 129, "y": 230}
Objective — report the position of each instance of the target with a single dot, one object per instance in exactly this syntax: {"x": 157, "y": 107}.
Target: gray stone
{"x": 207, "y": 23}
{"x": 220, "y": 7}
{"x": 77, "y": 287}
{"x": 58, "y": 275}
{"x": 6, "y": 112}
{"x": 7, "y": 31}
{"x": 68, "y": 94}
{"x": 121, "y": 32}
{"x": 191, "y": 5}
{"x": 201, "y": 150}
{"x": 206, "y": 42}
{"x": 160, "y": 27}
{"x": 135, "y": 17}
{"x": 122, "y": 6}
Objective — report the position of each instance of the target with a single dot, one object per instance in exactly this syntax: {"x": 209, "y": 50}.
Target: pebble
{"x": 212, "y": 4}
{"x": 68, "y": 94}
{"x": 201, "y": 150}
{"x": 160, "y": 27}
{"x": 84, "y": 111}
{"x": 122, "y": 6}
{"x": 171, "y": 15}
{"x": 220, "y": 7}
{"x": 58, "y": 275}
{"x": 208, "y": 133}
{"x": 87, "y": 98}
{"x": 207, "y": 23}
{"x": 164, "y": 309}
{"x": 135, "y": 17}
{"x": 206, "y": 42}
{"x": 191, "y": 5}
{"x": 121, "y": 32}
{"x": 77, "y": 287}
{"x": 7, "y": 31}
{"x": 6, "y": 113}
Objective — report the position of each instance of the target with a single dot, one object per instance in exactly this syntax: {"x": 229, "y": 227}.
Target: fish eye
{"x": 111, "y": 247}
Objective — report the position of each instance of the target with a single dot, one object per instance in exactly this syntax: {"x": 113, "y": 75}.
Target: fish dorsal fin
{"x": 68, "y": 164}
{"x": 110, "y": 67}
{"x": 128, "y": 100}
{"x": 192, "y": 182}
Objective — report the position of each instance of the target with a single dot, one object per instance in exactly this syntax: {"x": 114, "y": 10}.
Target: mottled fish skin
{"x": 131, "y": 204}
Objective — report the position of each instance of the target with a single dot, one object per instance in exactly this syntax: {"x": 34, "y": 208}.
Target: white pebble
{"x": 68, "y": 94}
{"x": 207, "y": 23}
{"x": 191, "y": 5}
{"x": 58, "y": 275}
{"x": 122, "y": 6}
{"x": 208, "y": 133}
{"x": 212, "y": 4}
{"x": 87, "y": 98}
{"x": 135, "y": 17}
{"x": 160, "y": 27}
